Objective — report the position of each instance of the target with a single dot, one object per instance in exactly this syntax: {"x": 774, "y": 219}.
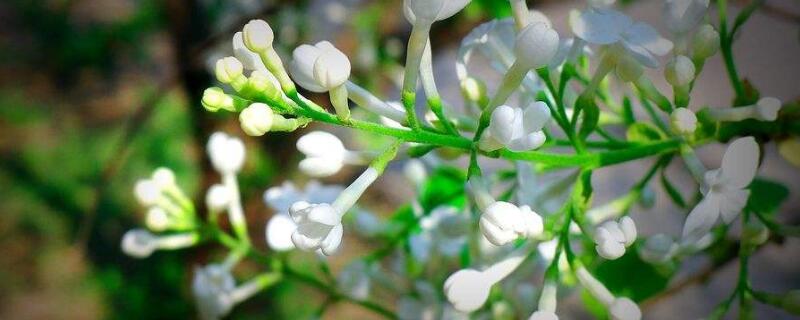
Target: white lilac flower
{"x": 323, "y": 68}
{"x": 325, "y": 154}
{"x": 682, "y": 16}
{"x": 354, "y": 280}
{"x": 609, "y": 27}
{"x": 725, "y": 193}
{"x": 140, "y": 243}
{"x": 536, "y": 45}
{"x": 319, "y": 68}
{"x": 503, "y": 222}
{"x": 612, "y": 237}
{"x": 679, "y": 71}
{"x": 468, "y": 289}
{"x": 280, "y": 198}
{"x": 444, "y": 231}
{"x": 658, "y": 249}
{"x": 319, "y": 225}
{"x": 766, "y": 109}
{"x": 211, "y": 287}
{"x": 226, "y": 153}
{"x": 429, "y": 11}
{"x": 683, "y": 121}
{"x": 515, "y": 128}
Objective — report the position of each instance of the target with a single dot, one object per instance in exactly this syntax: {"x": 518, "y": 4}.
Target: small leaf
{"x": 766, "y": 196}
{"x": 590, "y": 115}
{"x": 644, "y": 132}
{"x": 627, "y": 111}
{"x": 445, "y": 186}
{"x": 673, "y": 192}
{"x": 631, "y": 277}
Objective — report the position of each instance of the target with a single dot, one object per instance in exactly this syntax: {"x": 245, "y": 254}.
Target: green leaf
{"x": 766, "y": 196}
{"x": 445, "y": 186}
{"x": 591, "y": 115}
{"x": 627, "y": 111}
{"x": 644, "y": 132}
{"x": 673, "y": 192}
{"x": 631, "y": 277}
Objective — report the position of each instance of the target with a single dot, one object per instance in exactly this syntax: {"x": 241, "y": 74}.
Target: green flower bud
{"x": 214, "y": 98}
{"x": 228, "y": 69}
{"x": 705, "y": 43}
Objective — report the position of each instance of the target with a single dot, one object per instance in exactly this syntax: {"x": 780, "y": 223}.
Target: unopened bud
{"x": 214, "y": 99}
{"x": 265, "y": 84}
{"x": 705, "y": 43}
{"x": 679, "y": 71}
{"x": 228, "y": 70}
{"x": 628, "y": 69}
{"x": 258, "y": 36}
{"x": 256, "y": 120}
{"x": 755, "y": 233}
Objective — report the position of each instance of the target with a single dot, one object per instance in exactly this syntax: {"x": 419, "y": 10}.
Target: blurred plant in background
{"x": 492, "y": 216}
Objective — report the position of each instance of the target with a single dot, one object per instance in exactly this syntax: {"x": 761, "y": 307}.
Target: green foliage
{"x": 766, "y": 196}
{"x": 673, "y": 192}
{"x": 445, "y": 186}
{"x": 631, "y": 277}
{"x": 642, "y": 132}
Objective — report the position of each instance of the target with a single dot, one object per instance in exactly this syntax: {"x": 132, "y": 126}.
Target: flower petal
{"x": 599, "y": 26}
{"x": 731, "y": 203}
{"x": 740, "y": 162}
{"x": 701, "y": 219}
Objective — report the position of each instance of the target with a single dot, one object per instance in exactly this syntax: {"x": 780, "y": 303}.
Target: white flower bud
{"x": 212, "y": 286}
{"x": 279, "y": 232}
{"x": 473, "y": 89}
{"x": 755, "y": 233}
{"x": 679, "y": 71}
{"x": 265, "y": 83}
{"x": 157, "y": 219}
{"x": 767, "y": 109}
{"x": 256, "y": 120}
{"x": 612, "y": 237}
{"x": 319, "y": 68}
{"x": 705, "y": 42}
{"x": 498, "y": 222}
{"x": 215, "y": 99}
{"x": 163, "y": 177}
{"x": 467, "y": 289}
{"x": 226, "y": 152}
{"x": 624, "y": 309}
{"x": 218, "y": 197}
{"x": 543, "y": 315}
{"x": 536, "y": 45}
{"x": 258, "y": 35}
{"x": 325, "y": 154}
{"x": 683, "y": 121}
{"x": 139, "y": 243}
{"x": 228, "y": 69}
{"x": 147, "y": 192}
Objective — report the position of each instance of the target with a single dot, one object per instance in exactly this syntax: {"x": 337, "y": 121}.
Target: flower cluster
{"x": 532, "y": 143}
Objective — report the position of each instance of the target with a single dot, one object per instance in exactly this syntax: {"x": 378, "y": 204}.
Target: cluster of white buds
{"x": 766, "y": 109}
{"x": 502, "y": 222}
{"x": 468, "y": 289}
{"x": 168, "y": 208}
{"x": 725, "y": 189}
{"x": 216, "y": 293}
{"x": 612, "y": 237}
{"x": 515, "y": 128}
{"x": 326, "y": 155}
